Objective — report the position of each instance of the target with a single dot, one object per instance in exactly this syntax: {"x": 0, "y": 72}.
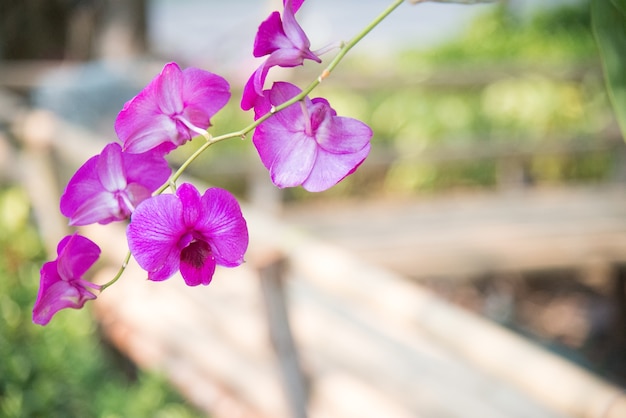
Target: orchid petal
{"x": 190, "y": 199}
{"x": 168, "y": 87}
{"x": 61, "y": 285}
{"x": 224, "y": 227}
{"x": 286, "y": 44}
{"x": 294, "y": 31}
{"x": 170, "y": 265}
{"x": 270, "y": 36}
{"x": 343, "y": 135}
{"x": 149, "y": 169}
{"x": 134, "y": 194}
{"x": 137, "y": 113}
{"x": 289, "y": 162}
{"x": 59, "y": 295}
{"x": 147, "y": 134}
{"x": 108, "y": 186}
{"x": 262, "y": 106}
{"x": 203, "y": 94}
{"x": 170, "y": 109}
{"x": 330, "y": 169}
{"x": 286, "y": 58}
{"x": 291, "y": 118}
{"x": 111, "y": 169}
{"x": 154, "y": 230}
{"x": 306, "y": 143}
{"x": 252, "y": 89}
{"x": 76, "y": 254}
{"x": 101, "y": 208}
{"x": 295, "y": 4}
{"x": 293, "y": 164}
{"x": 188, "y": 232}
{"x": 84, "y": 182}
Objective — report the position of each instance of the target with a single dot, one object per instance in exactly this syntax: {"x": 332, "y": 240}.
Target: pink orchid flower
{"x": 188, "y": 232}
{"x": 61, "y": 283}
{"x": 109, "y": 186}
{"x": 173, "y": 108}
{"x": 307, "y": 144}
{"x": 286, "y": 44}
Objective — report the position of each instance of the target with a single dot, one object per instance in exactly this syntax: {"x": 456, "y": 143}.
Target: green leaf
{"x": 620, "y": 4}
{"x": 609, "y": 27}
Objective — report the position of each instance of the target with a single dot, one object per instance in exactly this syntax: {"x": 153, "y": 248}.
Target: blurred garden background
{"x": 491, "y": 99}
{"x": 524, "y": 84}
{"x": 65, "y": 370}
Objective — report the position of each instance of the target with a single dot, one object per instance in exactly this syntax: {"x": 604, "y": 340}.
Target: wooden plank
{"x": 371, "y": 341}
{"x": 220, "y": 331}
{"x": 466, "y": 236}
{"x": 357, "y": 283}
{"x": 271, "y": 269}
{"x": 450, "y": 78}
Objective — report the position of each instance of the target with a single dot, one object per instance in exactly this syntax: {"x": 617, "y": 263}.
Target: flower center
{"x": 125, "y": 205}
{"x": 307, "y": 119}
{"x": 193, "y": 128}
{"x": 196, "y": 253}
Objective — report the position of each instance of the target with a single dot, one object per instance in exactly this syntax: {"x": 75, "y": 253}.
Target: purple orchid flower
{"x": 173, "y": 108}
{"x": 188, "y": 232}
{"x": 109, "y": 186}
{"x": 286, "y": 44}
{"x": 307, "y": 144}
{"x": 61, "y": 284}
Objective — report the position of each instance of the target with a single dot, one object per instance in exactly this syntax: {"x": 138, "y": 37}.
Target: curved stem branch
{"x": 305, "y": 92}
{"x": 345, "y": 48}
{"x": 119, "y": 273}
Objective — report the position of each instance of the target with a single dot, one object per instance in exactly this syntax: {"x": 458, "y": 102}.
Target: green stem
{"x": 119, "y": 273}
{"x": 245, "y": 131}
{"x": 348, "y": 46}
{"x": 336, "y": 60}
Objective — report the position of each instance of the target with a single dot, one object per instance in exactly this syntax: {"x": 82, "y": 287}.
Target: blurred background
{"x": 495, "y": 183}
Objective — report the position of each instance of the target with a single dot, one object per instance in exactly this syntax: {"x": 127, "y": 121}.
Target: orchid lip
{"x": 191, "y": 126}
{"x": 188, "y": 232}
{"x": 307, "y": 119}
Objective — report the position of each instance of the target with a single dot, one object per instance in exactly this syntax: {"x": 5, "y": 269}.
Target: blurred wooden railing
{"x": 370, "y": 343}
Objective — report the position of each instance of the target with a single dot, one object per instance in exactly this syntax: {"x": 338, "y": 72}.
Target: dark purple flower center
{"x": 196, "y": 253}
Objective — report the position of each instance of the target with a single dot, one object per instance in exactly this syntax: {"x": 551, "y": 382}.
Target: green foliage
{"x": 557, "y": 36}
{"x": 510, "y": 83}
{"x": 64, "y": 369}
{"x": 609, "y": 24}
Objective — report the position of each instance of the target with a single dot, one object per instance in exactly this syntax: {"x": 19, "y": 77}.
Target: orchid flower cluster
{"x": 301, "y": 141}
